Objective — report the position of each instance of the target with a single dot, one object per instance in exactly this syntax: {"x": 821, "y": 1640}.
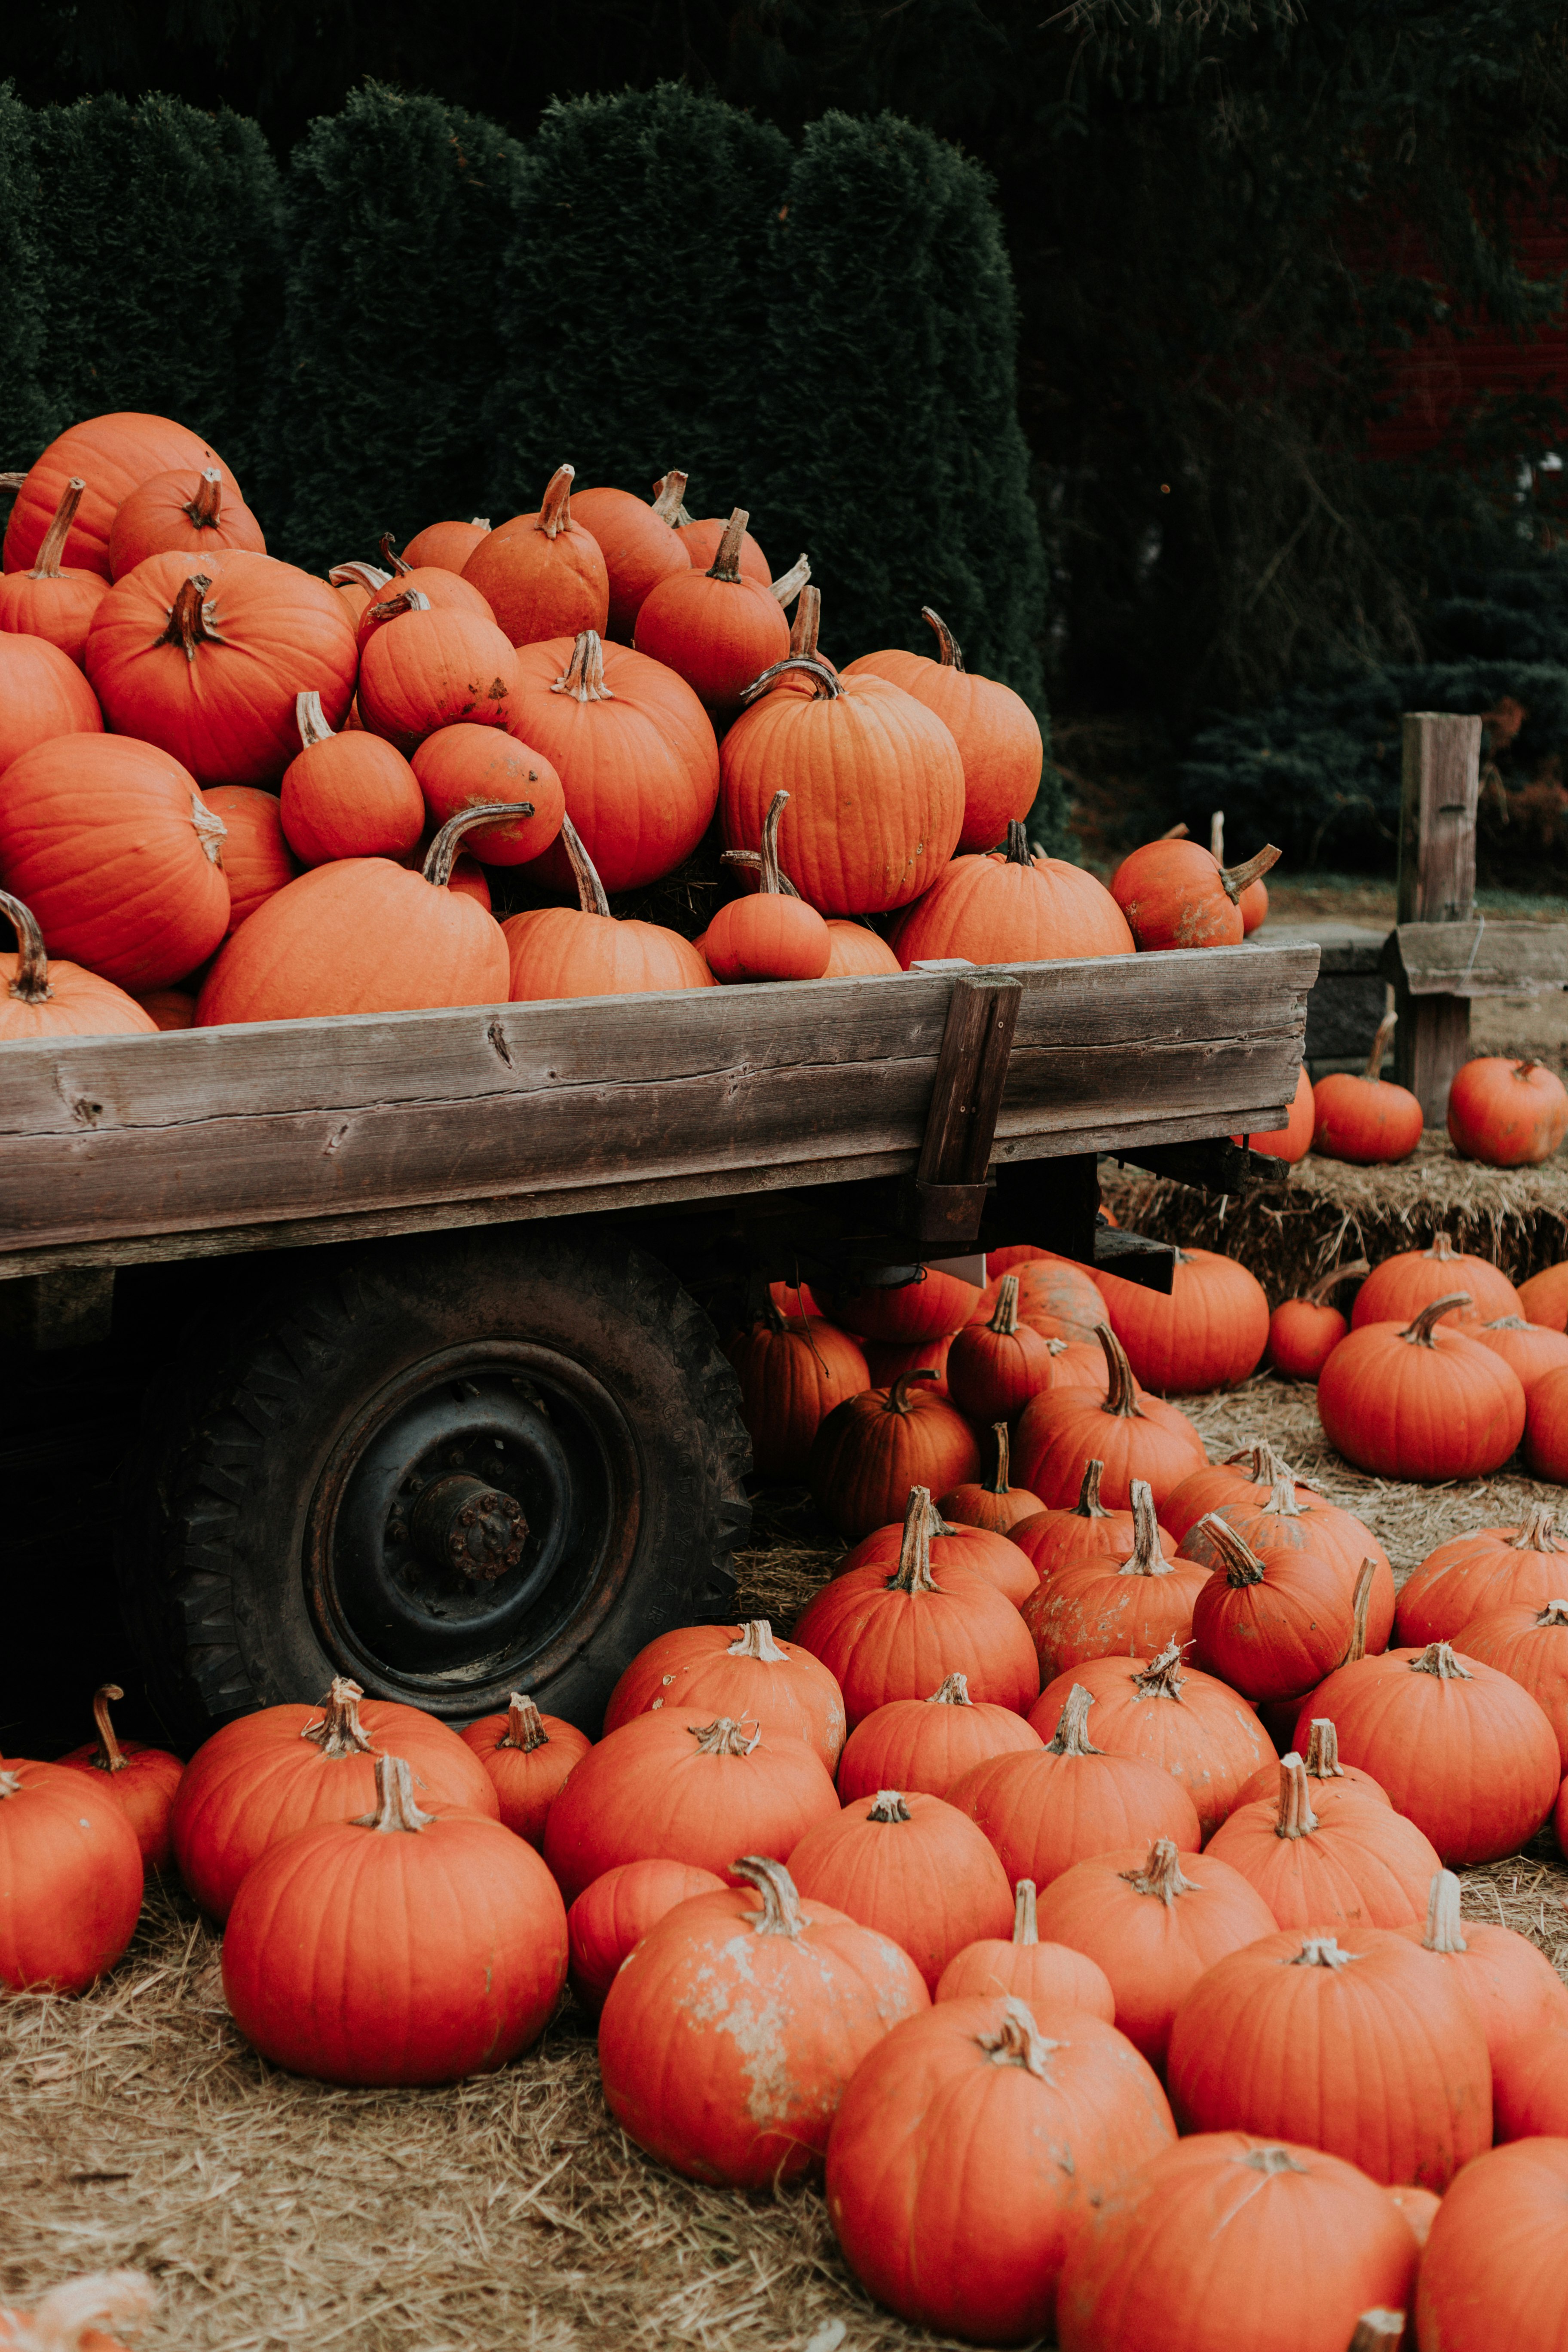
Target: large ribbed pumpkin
{"x": 929, "y": 1743}
{"x": 1491, "y": 2276}
{"x": 1496, "y": 1568}
{"x": 792, "y": 1374}
{"x": 718, "y": 629}
{"x": 43, "y": 696}
{"x": 39, "y": 999}
{"x": 1166, "y": 1714}
{"x": 1133, "y": 1436}
{"x": 691, "y": 1791}
{"x": 207, "y": 657}
{"x": 183, "y": 512}
{"x": 1176, "y": 894}
{"x": 871, "y": 1449}
{"x": 998, "y": 739}
{"x": 110, "y": 845}
{"x": 638, "y": 541}
{"x": 584, "y": 951}
{"x": 1420, "y": 1400}
{"x": 913, "y": 1867}
{"x": 1357, "y": 1865}
{"x": 1513, "y": 1985}
{"x": 1012, "y": 909}
{"x": 543, "y": 574}
{"x": 876, "y": 789}
{"x": 51, "y": 599}
{"x": 1209, "y": 1333}
{"x": 1402, "y": 1284}
{"x": 1102, "y": 1607}
{"x": 112, "y": 455}
{"x": 363, "y": 936}
{"x": 739, "y": 1671}
{"x": 635, "y": 752}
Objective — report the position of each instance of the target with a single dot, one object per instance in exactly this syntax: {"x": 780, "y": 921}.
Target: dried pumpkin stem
{"x": 726, "y": 563}
{"x": 1323, "y": 1751}
{"x": 1282, "y": 1503}
{"x": 1160, "y": 1874}
{"x": 311, "y": 720}
{"x": 1382, "y": 1041}
{"x": 442, "y": 854}
{"x": 524, "y": 1726}
{"x": 109, "y": 1757}
{"x": 1554, "y": 1613}
{"x": 396, "y": 1810}
{"x": 1361, "y": 1606}
{"x": 1017, "y": 843}
{"x": 824, "y": 682}
{"x": 31, "y": 985}
{"x": 555, "y": 506}
{"x": 1146, "y": 1558}
{"x": 1121, "y": 1396}
{"x": 1018, "y": 2040}
{"x": 948, "y": 655}
{"x": 1238, "y": 879}
{"x": 1438, "y": 1658}
{"x": 913, "y": 1572}
{"x": 1239, "y": 1561}
{"x": 10, "y": 1783}
{"x": 953, "y": 1691}
{"x": 999, "y": 1478}
{"x": 1217, "y": 836}
{"x": 1420, "y": 1327}
{"x": 1377, "y": 2331}
{"x": 1270, "y": 2160}
{"x": 393, "y": 607}
{"x": 790, "y": 584}
{"x": 1539, "y": 1532}
{"x": 807, "y": 622}
{"x": 771, "y": 885}
{"x": 339, "y": 1731}
{"x": 1072, "y": 1730}
{"x": 1025, "y": 1918}
{"x": 1005, "y": 1320}
{"x": 204, "y": 509}
{"x": 669, "y": 491}
{"x": 1162, "y": 1676}
{"x": 359, "y": 575}
{"x": 1266, "y": 1465}
{"x": 1296, "y": 1817}
{"x": 397, "y": 566}
{"x": 1088, "y": 1505}
{"x": 754, "y": 1639}
{"x": 1444, "y": 1932}
{"x": 724, "y": 1736}
{"x": 210, "y": 830}
{"x": 1442, "y": 1248}
{"x": 190, "y": 622}
{"x": 887, "y": 1805}
{"x": 898, "y": 1397}
{"x": 781, "y": 1914}
{"x": 583, "y": 676}
{"x": 47, "y": 563}
{"x": 478, "y": 522}
{"x": 1321, "y": 1290}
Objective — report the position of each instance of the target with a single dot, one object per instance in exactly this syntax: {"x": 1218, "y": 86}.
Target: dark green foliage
{"x": 633, "y": 306}
{"x": 28, "y": 419}
{"x": 399, "y": 214}
{"x": 163, "y": 273}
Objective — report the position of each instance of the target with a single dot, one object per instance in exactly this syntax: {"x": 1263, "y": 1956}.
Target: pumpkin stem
{"x": 1017, "y": 844}
{"x": 1321, "y": 1952}
{"x": 442, "y": 854}
{"x": 1383, "y": 1039}
{"x": 211, "y": 830}
{"x": 1323, "y": 1751}
{"x": 397, "y": 568}
{"x": 723, "y": 1737}
{"x": 1539, "y": 1532}
{"x": 1238, "y": 879}
{"x": 1025, "y": 1918}
{"x": 359, "y": 575}
{"x": 82, "y": 2310}
{"x": 1268, "y": 1465}
{"x": 1088, "y": 1505}
{"x": 754, "y": 1639}
{"x": 1146, "y": 1558}
{"x": 781, "y": 1914}
{"x": 1318, "y": 1295}
{"x": 951, "y": 1692}
{"x": 478, "y": 522}
{"x": 395, "y": 1807}
{"x": 1282, "y": 1503}
{"x": 1444, "y": 1932}
{"x": 1240, "y": 1562}
{"x": 1217, "y": 836}
{"x": 524, "y": 1726}
{"x": 1162, "y": 1676}
{"x": 1438, "y": 1658}
{"x": 1004, "y": 1321}
{"x": 1554, "y": 1613}
{"x": 823, "y": 681}
{"x": 204, "y": 507}
{"x": 47, "y": 565}
{"x": 887, "y": 1805}
{"x": 555, "y": 506}
{"x": 1442, "y": 1248}
{"x": 1018, "y": 2040}
{"x": 1377, "y": 2331}
{"x": 726, "y": 563}
{"x": 1270, "y": 2160}
{"x": 790, "y": 585}
{"x": 1121, "y": 1396}
{"x": 898, "y": 1397}
{"x": 755, "y": 858}
{"x": 1296, "y": 1819}
{"x": 109, "y": 1757}
{"x": 190, "y": 623}
{"x": 401, "y": 600}
{"x": 583, "y": 676}
{"x": 807, "y": 621}
{"x": 340, "y": 1732}
{"x": 1361, "y": 1603}
{"x": 1160, "y": 1874}
{"x": 1072, "y": 1731}
{"x": 311, "y": 720}
{"x": 10, "y": 1783}
{"x": 668, "y": 493}
{"x": 913, "y": 1572}
{"x": 999, "y": 1482}
{"x": 948, "y": 655}
{"x": 770, "y": 886}
{"x": 1420, "y": 1327}
{"x": 31, "y": 985}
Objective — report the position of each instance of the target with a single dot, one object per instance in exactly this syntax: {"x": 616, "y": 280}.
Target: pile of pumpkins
{"x": 234, "y": 790}
{"x": 988, "y": 1894}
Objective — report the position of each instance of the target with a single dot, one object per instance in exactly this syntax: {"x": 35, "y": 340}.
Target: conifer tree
{"x": 400, "y": 211}
{"x": 634, "y": 304}
{"x": 27, "y": 420}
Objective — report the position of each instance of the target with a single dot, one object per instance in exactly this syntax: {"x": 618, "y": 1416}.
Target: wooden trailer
{"x": 426, "y": 1301}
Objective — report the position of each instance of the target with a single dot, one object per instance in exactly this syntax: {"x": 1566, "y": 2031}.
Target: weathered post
{"x": 1442, "y": 760}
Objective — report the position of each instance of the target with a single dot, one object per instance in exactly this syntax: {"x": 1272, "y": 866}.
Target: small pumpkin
{"x": 1496, "y": 1568}
{"x": 927, "y": 1743}
{"x": 934, "y": 1305}
{"x": 639, "y": 542}
{"x": 112, "y": 455}
{"x": 612, "y": 1914}
{"x": 1014, "y": 908}
{"x": 770, "y": 934}
{"x": 1368, "y": 1121}
{"x": 719, "y": 628}
{"x": 912, "y": 1866}
{"x": 462, "y": 765}
{"x": 1134, "y": 1435}
{"x": 1176, "y": 894}
{"x": 1327, "y": 1780}
{"x": 703, "y": 538}
{"x": 1209, "y": 1333}
{"x": 1250, "y": 1474}
{"x": 873, "y": 1448}
{"x": 1507, "y": 1114}
{"x": 256, "y": 859}
{"x": 1303, "y": 1332}
{"x": 429, "y": 668}
{"x": 990, "y": 1504}
{"x": 43, "y": 698}
{"x": 984, "y": 1551}
{"x": 1162, "y": 1713}
{"x": 1545, "y": 1298}
{"x": 396, "y": 1947}
{"x": 1292, "y": 1141}
{"x": 584, "y": 950}
{"x": 739, "y": 1671}
{"x": 1546, "y": 1427}
{"x": 1363, "y": 2050}
{"x": 1514, "y": 1987}
{"x": 1271, "y": 1627}
{"x": 855, "y": 949}
{"x": 1421, "y": 1400}
{"x": 1402, "y": 1284}
{"x": 347, "y": 795}
{"x": 793, "y": 1370}
{"x": 1359, "y": 1863}
{"x": 543, "y": 574}
{"x": 1044, "y": 1977}
{"x": 998, "y": 734}
{"x": 1490, "y": 2273}
{"x": 143, "y": 1778}
{"x": 896, "y": 1636}
{"x": 1103, "y": 1607}
{"x": 70, "y": 1879}
{"x": 994, "y": 1367}
{"x": 1529, "y": 1351}
{"x": 528, "y": 1757}
{"x": 38, "y": 999}
{"x": 182, "y": 513}
{"x": 1527, "y": 1644}
{"x": 48, "y": 600}
{"x": 661, "y": 1785}
{"x": 448, "y": 545}
{"x": 1153, "y": 1920}
{"x": 1085, "y": 1534}
{"x": 688, "y": 2071}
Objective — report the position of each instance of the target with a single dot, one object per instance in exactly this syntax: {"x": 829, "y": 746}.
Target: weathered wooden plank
{"x": 1441, "y": 785}
{"x": 1479, "y": 957}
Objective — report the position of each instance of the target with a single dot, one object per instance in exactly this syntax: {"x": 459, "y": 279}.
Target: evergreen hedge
{"x": 28, "y": 418}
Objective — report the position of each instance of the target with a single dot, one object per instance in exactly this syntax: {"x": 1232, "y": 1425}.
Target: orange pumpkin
{"x": 461, "y": 765}
{"x": 1329, "y": 1782}
{"x": 1529, "y": 2099}
{"x": 930, "y": 1891}
{"x": 998, "y": 740}
{"x": 1510, "y": 1981}
{"x": 1489, "y": 2273}
{"x": 853, "y": 949}
{"x": 1303, "y": 1332}
{"x": 255, "y": 855}
{"x": 873, "y": 1448}
{"x": 928, "y": 1744}
{"x": 38, "y": 999}
{"x": 1400, "y": 1286}
{"x": 143, "y": 1779}
{"x": 703, "y": 538}
{"x": 543, "y": 574}
{"x": 1176, "y": 894}
{"x": 1135, "y": 1436}
{"x": 528, "y": 1757}
{"x": 1164, "y": 1713}
{"x": 48, "y": 600}
{"x": 1368, "y": 1120}
{"x": 111, "y": 454}
{"x": 447, "y": 545}
{"x": 1546, "y": 1427}
{"x": 994, "y": 1367}
{"x": 183, "y": 512}
{"x": 584, "y": 951}
{"x": 739, "y": 1671}
{"x": 1209, "y": 1333}
{"x": 1102, "y": 1607}
{"x": 1421, "y": 1402}
{"x": 888, "y": 1359}
{"x": 43, "y": 696}
{"x": 1496, "y": 1568}
{"x": 984, "y": 1551}
{"x": 1013, "y": 909}
{"x": 612, "y": 1914}
{"x": 1507, "y": 1114}
{"x": 1271, "y": 1627}
{"x": 429, "y": 668}
{"x": 1084, "y": 1534}
{"x": 169, "y": 1008}
{"x": 363, "y": 936}
{"x": 791, "y": 1374}
{"x": 1289, "y": 1516}
{"x": 1358, "y": 1864}
{"x": 1529, "y": 1351}
{"x": 1292, "y": 1141}
{"x": 441, "y": 590}
{"x": 719, "y": 629}
{"x": 71, "y": 1868}
{"x": 1045, "y": 1976}
{"x": 1054, "y": 1294}
{"x": 990, "y": 1504}
{"x": 638, "y": 541}
{"x": 1526, "y": 1643}
{"x": 934, "y": 1305}
{"x": 771, "y": 934}
{"x": 348, "y": 795}
{"x": 1545, "y": 1298}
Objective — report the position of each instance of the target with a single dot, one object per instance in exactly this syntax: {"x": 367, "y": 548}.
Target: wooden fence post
{"x": 1441, "y": 779}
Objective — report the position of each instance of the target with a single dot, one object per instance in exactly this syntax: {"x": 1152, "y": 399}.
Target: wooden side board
{"x": 390, "y": 1122}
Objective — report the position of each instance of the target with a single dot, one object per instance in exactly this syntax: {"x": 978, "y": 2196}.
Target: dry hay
{"x": 1324, "y": 1213}
{"x": 137, "y": 2127}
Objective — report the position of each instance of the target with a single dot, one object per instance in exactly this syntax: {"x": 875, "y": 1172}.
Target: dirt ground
{"x": 136, "y": 2127}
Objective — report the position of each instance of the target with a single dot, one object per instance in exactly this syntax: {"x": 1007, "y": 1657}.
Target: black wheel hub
{"x": 480, "y": 1507}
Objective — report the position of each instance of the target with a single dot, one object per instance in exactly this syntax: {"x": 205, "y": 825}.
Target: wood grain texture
{"x": 1440, "y": 790}
{"x": 559, "y": 1107}
{"x": 1479, "y": 957}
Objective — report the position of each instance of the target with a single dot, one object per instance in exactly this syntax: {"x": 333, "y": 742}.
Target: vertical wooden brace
{"x": 1441, "y": 785}
{"x": 944, "y": 1200}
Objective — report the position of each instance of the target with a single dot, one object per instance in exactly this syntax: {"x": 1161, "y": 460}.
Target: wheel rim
{"x": 472, "y": 1525}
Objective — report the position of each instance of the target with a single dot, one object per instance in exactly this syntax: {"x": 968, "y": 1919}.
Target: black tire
{"x": 264, "y": 1544}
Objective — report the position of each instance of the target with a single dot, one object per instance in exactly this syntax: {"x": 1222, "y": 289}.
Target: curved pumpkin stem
{"x": 555, "y": 506}
{"x": 1146, "y": 1558}
{"x": 898, "y": 1397}
{"x": 591, "y": 897}
{"x": 825, "y": 681}
{"x": 1382, "y": 1040}
{"x": 772, "y": 886}
{"x": 951, "y": 1692}
{"x": 190, "y": 622}
{"x": 31, "y": 985}
{"x": 1025, "y": 1918}
{"x": 442, "y": 854}
{"x": 524, "y": 1726}
{"x": 1072, "y": 1730}
{"x": 1539, "y": 1532}
{"x": 1420, "y": 1327}
{"x": 396, "y": 565}
{"x": 1323, "y": 1751}
{"x": 948, "y": 655}
{"x": 1360, "y": 1605}
{"x": 1018, "y": 2040}
{"x": 46, "y": 565}
{"x": 754, "y": 1639}
{"x": 1320, "y": 1291}
{"x": 204, "y": 509}
{"x": 668, "y": 493}
{"x": 1443, "y": 1931}
{"x": 1438, "y": 1658}
{"x": 109, "y": 1757}
{"x": 998, "y": 1484}
{"x": 723, "y": 1737}
{"x": 1296, "y": 1819}
{"x": 340, "y": 1732}
{"x": 311, "y": 720}
{"x": 1088, "y": 1505}
{"x": 726, "y": 563}
{"x": 1239, "y": 1561}
{"x": 807, "y": 621}
{"x": 790, "y": 584}
{"x": 887, "y": 1805}
{"x": 583, "y": 676}
{"x": 391, "y": 608}
{"x": 1238, "y": 879}
{"x": 913, "y": 1572}
{"x": 1162, "y": 1676}
{"x": 1160, "y": 1874}
{"x": 359, "y": 575}
{"x": 781, "y": 1914}
{"x": 1121, "y": 1396}
{"x": 396, "y": 1810}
